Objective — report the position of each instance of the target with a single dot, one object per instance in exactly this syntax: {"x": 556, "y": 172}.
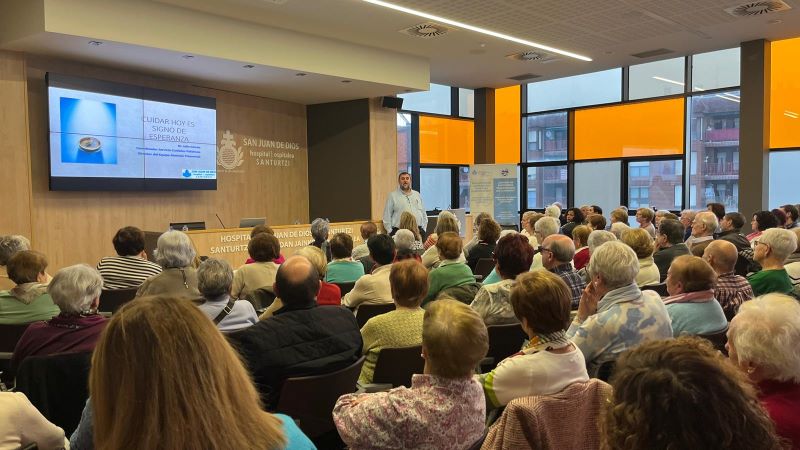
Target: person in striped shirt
{"x": 130, "y": 267}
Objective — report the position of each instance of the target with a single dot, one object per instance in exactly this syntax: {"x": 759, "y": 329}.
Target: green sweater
{"x": 768, "y": 281}
{"x": 448, "y": 274}
{"x": 13, "y": 311}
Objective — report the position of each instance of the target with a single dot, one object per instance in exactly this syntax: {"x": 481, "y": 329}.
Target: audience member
{"x": 28, "y": 301}
{"x": 730, "y": 290}
{"x": 681, "y": 394}
{"x": 367, "y": 230}
{"x": 446, "y": 223}
{"x": 76, "y": 291}
{"x": 10, "y": 246}
{"x": 669, "y": 242}
{"x": 791, "y": 216}
{"x": 550, "y": 361}
{"x": 687, "y": 217}
{"x": 780, "y": 217}
{"x": 557, "y": 253}
{"x": 762, "y": 342}
{"x": 130, "y": 268}
{"x": 546, "y": 226}
{"x": 301, "y": 338}
{"x": 614, "y": 315}
{"x": 596, "y": 239}
{"x": 580, "y": 237}
{"x": 586, "y": 210}
{"x": 374, "y": 288}
{"x": 553, "y": 211}
{"x": 792, "y": 264}
{"x": 409, "y": 222}
{"x": 403, "y": 326}
{"x": 596, "y": 221}
{"x": 526, "y": 227}
{"x": 574, "y": 217}
{"x": 642, "y": 244}
{"x": 329, "y": 293}
{"x": 404, "y": 240}
{"x": 488, "y": 234}
{"x": 669, "y": 215}
{"x": 771, "y": 249}
{"x": 618, "y": 228}
{"x": 718, "y": 209}
{"x": 319, "y": 231}
{"x": 512, "y": 257}
{"x": 452, "y": 271}
{"x": 191, "y": 381}
{"x": 691, "y": 304}
{"x": 645, "y": 216}
{"x": 263, "y": 249}
{"x": 444, "y": 409}
{"x": 619, "y": 215}
{"x": 596, "y": 210}
{"x": 762, "y": 220}
{"x": 214, "y": 281}
{"x": 22, "y": 426}
{"x": 704, "y": 226}
{"x": 175, "y": 254}
{"x": 343, "y": 269}
{"x": 659, "y": 215}
{"x": 476, "y": 224}
{"x": 258, "y": 229}
{"x": 731, "y": 231}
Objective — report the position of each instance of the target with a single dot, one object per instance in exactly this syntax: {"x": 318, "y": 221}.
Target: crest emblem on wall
{"x": 228, "y": 155}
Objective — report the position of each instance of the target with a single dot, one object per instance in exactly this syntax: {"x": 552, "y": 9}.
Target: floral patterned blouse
{"x": 436, "y": 413}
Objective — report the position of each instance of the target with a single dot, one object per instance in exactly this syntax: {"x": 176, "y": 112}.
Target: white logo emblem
{"x": 229, "y": 156}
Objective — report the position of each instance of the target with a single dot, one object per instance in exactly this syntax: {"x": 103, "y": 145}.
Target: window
{"x": 714, "y": 70}
{"x": 639, "y": 197}
{"x": 656, "y": 79}
{"x": 463, "y": 188}
{"x": 403, "y": 142}
{"x": 652, "y": 184}
{"x": 436, "y": 100}
{"x": 782, "y": 171}
{"x": 545, "y": 185}
{"x": 639, "y": 169}
{"x": 588, "y": 191}
{"x": 435, "y": 187}
{"x": 579, "y": 90}
{"x": 714, "y": 149}
{"x": 466, "y": 102}
{"x": 547, "y": 137}
{"x": 444, "y": 140}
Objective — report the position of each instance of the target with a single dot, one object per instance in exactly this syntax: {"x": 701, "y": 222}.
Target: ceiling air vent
{"x": 524, "y": 76}
{"x": 529, "y": 56}
{"x": 651, "y": 53}
{"x": 758, "y": 8}
{"x": 426, "y": 30}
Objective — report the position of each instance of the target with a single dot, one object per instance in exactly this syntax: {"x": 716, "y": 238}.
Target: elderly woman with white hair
{"x": 320, "y": 228}
{"x": 405, "y": 241}
{"x": 175, "y": 254}
{"x": 614, "y": 314}
{"x": 10, "y": 246}
{"x": 76, "y": 291}
{"x": 214, "y": 280}
{"x": 762, "y": 341}
{"x": 771, "y": 250}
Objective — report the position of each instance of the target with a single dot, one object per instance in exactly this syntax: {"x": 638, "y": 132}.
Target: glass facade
{"x": 715, "y": 70}
{"x": 588, "y": 191}
{"x": 466, "y": 103}
{"x": 546, "y": 137}
{"x": 434, "y": 186}
{"x": 436, "y": 100}
{"x": 403, "y": 143}
{"x": 656, "y": 79}
{"x": 579, "y": 90}
{"x": 653, "y": 184}
{"x": 545, "y": 185}
{"x": 782, "y": 173}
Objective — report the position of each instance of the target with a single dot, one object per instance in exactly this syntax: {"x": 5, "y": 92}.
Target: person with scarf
{"x": 550, "y": 361}
{"x": 28, "y": 301}
{"x": 691, "y": 304}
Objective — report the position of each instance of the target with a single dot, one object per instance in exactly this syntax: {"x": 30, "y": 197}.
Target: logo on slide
{"x": 228, "y": 155}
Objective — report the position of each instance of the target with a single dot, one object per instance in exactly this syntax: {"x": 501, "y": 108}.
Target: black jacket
{"x": 299, "y": 341}
{"x": 480, "y": 251}
{"x": 743, "y": 265}
{"x": 663, "y": 258}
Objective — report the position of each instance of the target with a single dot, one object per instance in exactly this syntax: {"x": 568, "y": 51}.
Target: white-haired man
{"x": 544, "y": 227}
{"x": 770, "y": 250}
{"x": 704, "y": 225}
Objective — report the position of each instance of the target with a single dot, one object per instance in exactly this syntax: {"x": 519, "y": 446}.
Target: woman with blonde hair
{"x": 409, "y": 222}
{"x": 447, "y": 223}
{"x": 642, "y": 244}
{"x": 163, "y": 377}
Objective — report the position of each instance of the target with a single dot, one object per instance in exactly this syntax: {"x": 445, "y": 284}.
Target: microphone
{"x": 220, "y": 221}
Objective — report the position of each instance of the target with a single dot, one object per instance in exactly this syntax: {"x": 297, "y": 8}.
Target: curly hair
{"x": 681, "y": 393}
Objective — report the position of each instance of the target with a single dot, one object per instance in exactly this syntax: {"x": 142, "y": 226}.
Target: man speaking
{"x": 401, "y": 200}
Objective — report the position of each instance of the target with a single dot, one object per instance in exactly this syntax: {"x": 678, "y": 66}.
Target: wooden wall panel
{"x": 383, "y": 154}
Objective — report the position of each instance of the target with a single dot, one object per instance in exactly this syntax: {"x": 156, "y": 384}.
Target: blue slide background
{"x": 88, "y": 118}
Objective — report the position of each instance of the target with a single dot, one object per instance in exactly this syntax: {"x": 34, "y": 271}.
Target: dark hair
{"x": 780, "y": 217}
{"x": 25, "y": 266}
{"x": 128, "y": 241}
{"x": 597, "y": 209}
{"x": 597, "y": 221}
{"x": 264, "y": 247}
{"x": 258, "y": 229}
{"x": 381, "y": 248}
{"x": 672, "y": 229}
{"x": 341, "y": 245}
{"x": 298, "y": 292}
{"x": 403, "y": 254}
{"x": 409, "y": 282}
{"x": 368, "y": 229}
{"x": 489, "y": 231}
{"x": 791, "y": 211}
{"x": 765, "y": 220}
{"x": 577, "y": 215}
{"x": 737, "y": 219}
{"x": 514, "y": 255}
{"x": 542, "y": 298}
{"x": 718, "y": 209}
{"x": 402, "y": 173}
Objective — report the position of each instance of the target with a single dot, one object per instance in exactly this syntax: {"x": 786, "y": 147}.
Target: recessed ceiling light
{"x": 454, "y": 23}
{"x": 95, "y": 43}
{"x": 301, "y": 74}
{"x": 248, "y": 66}
{"x": 347, "y": 81}
{"x": 774, "y": 21}
{"x": 187, "y": 56}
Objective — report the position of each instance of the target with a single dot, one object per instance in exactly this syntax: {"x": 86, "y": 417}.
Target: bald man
{"x": 301, "y": 338}
{"x": 557, "y": 252}
{"x": 730, "y": 290}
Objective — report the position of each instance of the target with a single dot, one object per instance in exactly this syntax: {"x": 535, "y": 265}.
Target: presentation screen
{"x": 109, "y": 136}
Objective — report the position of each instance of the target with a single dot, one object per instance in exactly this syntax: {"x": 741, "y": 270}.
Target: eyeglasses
{"x": 756, "y": 242}
{"x": 542, "y": 249}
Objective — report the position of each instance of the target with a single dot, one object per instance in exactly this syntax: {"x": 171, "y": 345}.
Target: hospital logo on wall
{"x": 228, "y": 155}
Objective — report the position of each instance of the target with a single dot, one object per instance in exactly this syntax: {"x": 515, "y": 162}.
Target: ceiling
{"x": 335, "y": 40}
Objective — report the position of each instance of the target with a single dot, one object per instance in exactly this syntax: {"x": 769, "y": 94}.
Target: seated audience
{"x": 718, "y": 209}
{"x": 574, "y": 217}
{"x": 451, "y": 272}
{"x": 263, "y": 249}
{"x": 669, "y": 245}
{"x": 762, "y": 221}
{"x": 447, "y": 223}
{"x": 191, "y": 390}
{"x": 780, "y": 216}
{"x": 214, "y": 280}
{"x": 792, "y": 215}
{"x": 301, "y": 338}
{"x": 703, "y": 228}
{"x": 258, "y": 229}
{"x": 596, "y": 238}
{"x": 401, "y": 327}
{"x": 406, "y": 253}
{"x": 10, "y": 246}
{"x": 642, "y": 244}
{"x": 343, "y": 269}
{"x": 28, "y": 301}
{"x": 686, "y": 219}
{"x": 444, "y": 409}
{"x": 550, "y": 361}
{"x": 175, "y": 254}
{"x": 645, "y": 216}
{"x": 731, "y": 231}
{"x": 488, "y": 234}
{"x": 792, "y": 264}
{"x": 76, "y": 292}
{"x": 329, "y": 293}
{"x": 681, "y": 394}
{"x": 557, "y": 253}
{"x": 614, "y": 315}
{"x": 544, "y": 227}
{"x": 580, "y": 237}
{"x": 596, "y": 221}
{"x": 619, "y": 215}
{"x": 367, "y": 230}
{"x": 553, "y": 211}
{"x": 23, "y": 426}
{"x": 404, "y": 240}
{"x": 762, "y": 342}
{"x": 409, "y": 222}
{"x": 691, "y": 304}
{"x": 730, "y": 290}
{"x": 512, "y": 257}
{"x": 618, "y": 228}
{"x": 771, "y": 249}
{"x": 319, "y": 231}
{"x": 659, "y": 215}
{"x": 476, "y": 224}
{"x": 130, "y": 267}
{"x": 374, "y": 288}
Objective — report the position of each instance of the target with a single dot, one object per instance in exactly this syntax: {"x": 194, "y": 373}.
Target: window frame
{"x": 455, "y": 198}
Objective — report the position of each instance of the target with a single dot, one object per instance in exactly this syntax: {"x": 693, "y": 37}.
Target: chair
{"x": 504, "y": 341}
{"x": 57, "y": 385}
{"x": 395, "y": 366}
{"x": 261, "y": 298}
{"x": 346, "y": 287}
{"x": 112, "y": 299}
{"x": 605, "y": 370}
{"x": 660, "y": 288}
{"x": 718, "y": 340}
{"x": 310, "y": 400}
{"x": 484, "y": 267}
{"x": 366, "y": 312}
{"x": 150, "y": 244}
{"x": 9, "y": 335}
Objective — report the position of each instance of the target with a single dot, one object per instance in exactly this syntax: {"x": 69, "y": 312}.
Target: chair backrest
{"x": 504, "y": 341}
{"x": 112, "y": 299}
{"x": 606, "y": 369}
{"x": 9, "y": 335}
{"x": 261, "y": 298}
{"x": 718, "y": 340}
{"x": 484, "y": 267}
{"x": 660, "y": 288}
{"x": 395, "y": 366}
{"x": 57, "y": 385}
{"x": 310, "y": 400}
{"x": 150, "y": 244}
{"x": 345, "y": 287}
{"x": 366, "y": 312}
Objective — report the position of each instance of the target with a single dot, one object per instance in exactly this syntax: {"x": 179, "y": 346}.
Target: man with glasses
{"x": 404, "y": 199}
{"x": 770, "y": 250}
{"x": 557, "y": 252}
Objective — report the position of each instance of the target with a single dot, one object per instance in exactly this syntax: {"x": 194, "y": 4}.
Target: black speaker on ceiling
{"x": 392, "y": 102}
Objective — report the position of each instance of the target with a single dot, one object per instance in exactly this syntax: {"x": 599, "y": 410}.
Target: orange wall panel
{"x": 507, "y": 146}
{"x": 633, "y": 130}
{"x": 784, "y": 110}
{"x": 446, "y": 141}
